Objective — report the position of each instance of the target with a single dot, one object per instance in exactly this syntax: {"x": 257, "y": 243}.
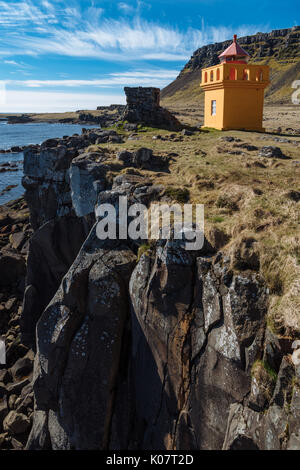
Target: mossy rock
{"x": 180, "y": 195}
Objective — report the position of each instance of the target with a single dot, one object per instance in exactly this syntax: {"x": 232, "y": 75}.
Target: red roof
{"x": 234, "y": 50}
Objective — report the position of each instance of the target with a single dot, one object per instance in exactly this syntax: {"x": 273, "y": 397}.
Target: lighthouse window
{"x": 213, "y": 107}
{"x": 245, "y": 74}
{"x": 233, "y": 74}
{"x": 259, "y": 76}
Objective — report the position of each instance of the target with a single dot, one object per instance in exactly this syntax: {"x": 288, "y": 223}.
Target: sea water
{"x": 12, "y": 135}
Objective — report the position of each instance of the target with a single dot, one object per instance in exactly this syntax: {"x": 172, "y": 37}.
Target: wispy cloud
{"x": 121, "y": 40}
{"x": 16, "y": 13}
{"x": 70, "y": 32}
{"x": 126, "y": 8}
{"x": 10, "y": 62}
{"x": 20, "y": 65}
{"x": 151, "y": 77}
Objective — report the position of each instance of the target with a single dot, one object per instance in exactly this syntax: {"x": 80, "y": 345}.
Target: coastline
{"x": 18, "y": 138}
{"x": 103, "y": 115}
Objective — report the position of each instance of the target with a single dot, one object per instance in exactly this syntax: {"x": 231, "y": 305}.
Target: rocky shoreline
{"x": 16, "y": 396}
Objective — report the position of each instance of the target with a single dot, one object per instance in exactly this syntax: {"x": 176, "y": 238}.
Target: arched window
{"x": 205, "y": 77}
{"x": 212, "y": 76}
{"x": 259, "y": 75}
{"x": 218, "y": 74}
{"x": 246, "y": 74}
{"x": 233, "y": 74}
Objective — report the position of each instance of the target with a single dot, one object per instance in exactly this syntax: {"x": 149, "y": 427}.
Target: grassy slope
{"x": 257, "y": 205}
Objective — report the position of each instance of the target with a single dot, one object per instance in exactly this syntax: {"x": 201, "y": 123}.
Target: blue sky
{"x": 61, "y": 55}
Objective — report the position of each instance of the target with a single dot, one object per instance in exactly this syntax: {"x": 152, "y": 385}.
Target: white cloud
{"x": 14, "y": 13}
{"x": 125, "y": 8}
{"x": 87, "y": 34}
{"x": 32, "y": 101}
{"x": 113, "y": 40}
{"x": 10, "y": 62}
{"x": 48, "y": 5}
{"x": 157, "y": 77}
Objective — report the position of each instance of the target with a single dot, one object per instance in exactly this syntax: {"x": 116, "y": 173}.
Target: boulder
{"x": 12, "y": 268}
{"x": 4, "y": 376}
{"x": 3, "y": 390}
{"x": 46, "y": 181}
{"x": 242, "y": 429}
{"x": 17, "y": 445}
{"x": 142, "y": 156}
{"x": 17, "y": 240}
{"x": 187, "y": 132}
{"x": 276, "y": 428}
{"x": 23, "y": 367}
{"x": 16, "y": 423}
{"x": 87, "y": 179}
{"x": 271, "y": 152}
{"x": 3, "y": 410}
{"x": 125, "y": 156}
{"x": 16, "y": 387}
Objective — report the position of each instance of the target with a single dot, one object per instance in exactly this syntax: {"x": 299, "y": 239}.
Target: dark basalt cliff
{"x": 169, "y": 350}
{"x": 280, "y": 49}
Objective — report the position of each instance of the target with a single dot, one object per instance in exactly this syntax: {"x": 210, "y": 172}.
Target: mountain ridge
{"x": 280, "y": 49}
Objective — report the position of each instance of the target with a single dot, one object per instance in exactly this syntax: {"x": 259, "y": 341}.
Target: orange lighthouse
{"x": 234, "y": 91}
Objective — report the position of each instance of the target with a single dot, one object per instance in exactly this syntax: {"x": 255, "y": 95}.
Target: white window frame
{"x": 213, "y": 108}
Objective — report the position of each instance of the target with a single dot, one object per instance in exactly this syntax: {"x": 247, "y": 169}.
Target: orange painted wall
{"x": 243, "y": 108}
{"x": 239, "y": 102}
{"x": 217, "y": 120}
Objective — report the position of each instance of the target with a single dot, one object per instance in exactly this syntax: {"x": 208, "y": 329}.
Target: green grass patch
{"x": 271, "y": 372}
{"x": 216, "y": 219}
{"x": 143, "y": 249}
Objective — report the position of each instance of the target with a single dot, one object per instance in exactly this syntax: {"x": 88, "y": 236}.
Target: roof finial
{"x": 234, "y": 37}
